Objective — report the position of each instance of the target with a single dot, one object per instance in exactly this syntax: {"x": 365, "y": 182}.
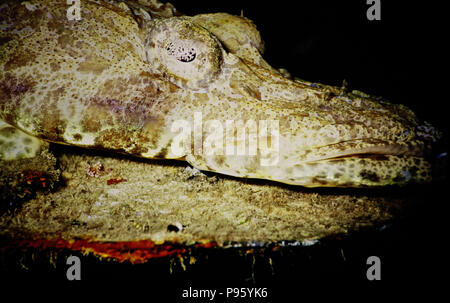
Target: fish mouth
{"x": 366, "y": 148}
{"x": 364, "y": 170}
{"x": 360, "y": 163}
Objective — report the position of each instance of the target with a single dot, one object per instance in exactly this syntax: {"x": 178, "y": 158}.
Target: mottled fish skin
{"x": 119, "y": 78}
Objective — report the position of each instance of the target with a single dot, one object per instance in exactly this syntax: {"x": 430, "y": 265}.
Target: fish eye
{"x": 186, "y": 54}
{"x": 182, "y": 53}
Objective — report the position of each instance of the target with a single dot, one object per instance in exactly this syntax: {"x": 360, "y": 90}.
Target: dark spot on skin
{"x": 399, "y": 178}
{"x": 8, "y": 132}
{"x": 54, "y": 66}
{"x": 4, "y": 40}
{"x": 11, "y": 87}
{"x": 19, "y": 60}
{"x": 317, "y": 180}
{"x": 65, "y": 40}
{"x": 219, "y": 160}
{"x": 89, "y": 124}
{"x": 93, "y": 64}
{"x": 368, "y": 175}
{"x": 77, "y": 137}
{"x": 56, "y": 94}
{"x": 162, "y": 153}
{"x": 9, "y": 145}
{"x": 52, "y": 126}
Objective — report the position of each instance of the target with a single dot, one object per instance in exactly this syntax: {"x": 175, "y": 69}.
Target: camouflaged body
{"x": 122, "y": 75}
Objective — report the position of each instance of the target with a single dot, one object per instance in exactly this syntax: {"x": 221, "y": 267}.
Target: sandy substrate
{"x": 127, "y": 199}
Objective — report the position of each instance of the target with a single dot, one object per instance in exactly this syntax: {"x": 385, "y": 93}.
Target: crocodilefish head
{"x": 138, "y": 79}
